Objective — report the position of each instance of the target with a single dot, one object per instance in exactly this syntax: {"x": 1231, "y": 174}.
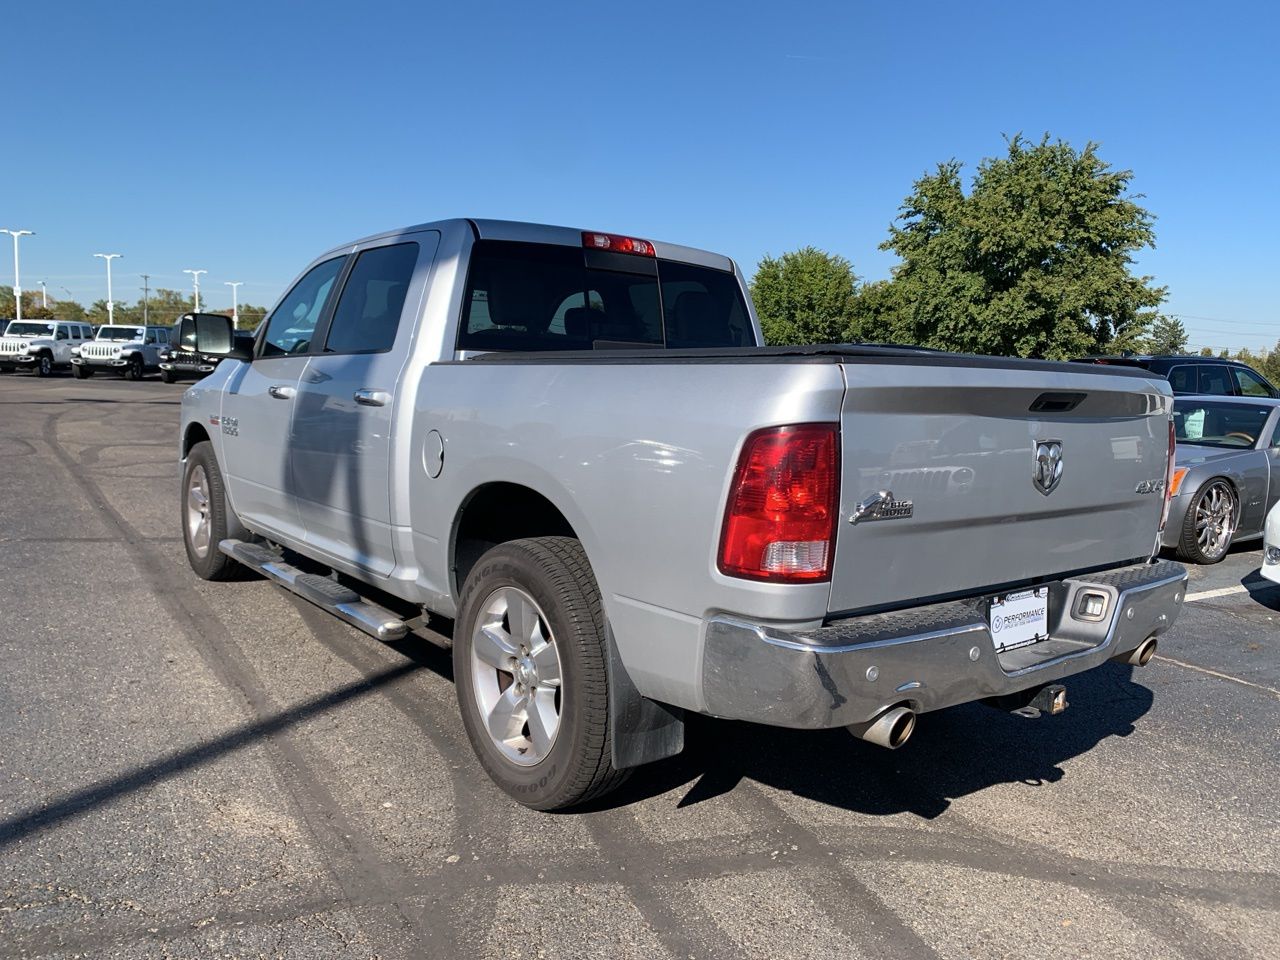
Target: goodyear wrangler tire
{"x": 205, "y": 521}
{"x": 529, "y": 665}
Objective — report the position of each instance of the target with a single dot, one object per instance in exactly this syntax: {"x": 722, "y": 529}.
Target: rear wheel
{"x": 529, "y": 663}
{"x": 1210, "y": 523}
{"x": 205, "y": 519}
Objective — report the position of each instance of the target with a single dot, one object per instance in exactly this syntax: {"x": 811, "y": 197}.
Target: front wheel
{"x": 529, "y": 663}
{"x": 205, "y": 520}
{"x": 81, "y": 372}
{"x": 135, "y": 370}
{"x": 44, "y": 365}
{"x": 167, "y": 376}
{"x": 1210, "y": 523}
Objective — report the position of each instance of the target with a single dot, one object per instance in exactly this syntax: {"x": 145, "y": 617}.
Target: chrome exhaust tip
{"x": 890, "y": 729}
{"x": 1143, "y": 654}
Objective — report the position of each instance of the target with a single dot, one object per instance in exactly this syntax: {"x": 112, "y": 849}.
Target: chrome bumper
{"x": 925, "y": 658}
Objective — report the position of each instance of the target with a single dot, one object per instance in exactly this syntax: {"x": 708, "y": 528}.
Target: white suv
{"x": 129, "y": 350}
{"x": 41, "y": 345}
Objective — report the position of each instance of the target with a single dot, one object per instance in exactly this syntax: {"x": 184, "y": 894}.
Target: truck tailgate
{"x": 960, "y": 443}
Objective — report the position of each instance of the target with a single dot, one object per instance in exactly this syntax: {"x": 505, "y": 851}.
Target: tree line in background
{"x": 1033, "y": 261}
{"x": 163, "y": 307}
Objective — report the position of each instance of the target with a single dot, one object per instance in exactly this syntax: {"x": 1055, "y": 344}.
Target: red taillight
{"x": 780, "y": 521}
{"x": 617, "y": 244}
{"x": 1168, "y": 475}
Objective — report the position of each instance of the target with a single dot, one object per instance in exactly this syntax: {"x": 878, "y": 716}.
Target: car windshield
{"x": 25, "y": 329}
{"x": 1216, "y": 423}
{"x": 120, "y": 333}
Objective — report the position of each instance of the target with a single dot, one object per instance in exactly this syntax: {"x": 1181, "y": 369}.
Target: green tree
{"x": 1168, "y": 335}
{"x": 67, "y": 310}
{"x": 1206, "y": 351}
{"x": 1034, "y": 261}
{"x": 805, "y": 296}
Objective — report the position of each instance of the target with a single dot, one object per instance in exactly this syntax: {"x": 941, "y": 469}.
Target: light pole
{"x": 195, "y": 283}
{"x": 146, "y": 295}
{"x": 111, "y": 307}
{"x": 17, "y": 283}
{"x": 44, "y": 295}
{"x": 235, "y": 301}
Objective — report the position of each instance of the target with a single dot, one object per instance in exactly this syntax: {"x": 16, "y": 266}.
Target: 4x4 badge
{"x": 1046, "y": 471}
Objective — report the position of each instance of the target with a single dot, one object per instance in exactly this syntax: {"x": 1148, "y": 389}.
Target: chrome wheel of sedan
{"x": 199, "y": 523}
{"x": 1216, "y": 519}
{"x": 1210, "y": 523}
{"x": 516, "y": 669}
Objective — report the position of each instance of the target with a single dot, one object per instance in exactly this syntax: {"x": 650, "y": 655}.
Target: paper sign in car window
{"x": 1193, "y": 424}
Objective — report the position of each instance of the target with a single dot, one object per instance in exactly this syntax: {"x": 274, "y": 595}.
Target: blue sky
{"x": 245, "y": 138}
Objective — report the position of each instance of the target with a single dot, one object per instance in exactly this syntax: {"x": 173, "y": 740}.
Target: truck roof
{"x": 546, "y": 233}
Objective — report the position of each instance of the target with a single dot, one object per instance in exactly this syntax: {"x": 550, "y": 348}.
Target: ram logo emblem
{"x": 1046, "y": 471}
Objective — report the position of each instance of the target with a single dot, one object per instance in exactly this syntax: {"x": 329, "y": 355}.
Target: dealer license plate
{"x": 1018, "y": 619}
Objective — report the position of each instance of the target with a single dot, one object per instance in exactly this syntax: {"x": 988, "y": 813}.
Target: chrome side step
{"x": 324, "y": 593}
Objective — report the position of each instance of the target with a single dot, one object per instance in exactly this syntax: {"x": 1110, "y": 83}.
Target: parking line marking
{"x": 1221, "y": 676}
{"x": 1220, "y": 592}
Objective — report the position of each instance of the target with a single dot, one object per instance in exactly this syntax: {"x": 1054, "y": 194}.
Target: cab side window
{"x": 368, "y": 312}
{"x": 293, "y": 322}
{"x": 1183, "y": 379}
{"x": 1251, "y": 385}
{"x": 61, "y": 334}
{"x": 1215, "y": 380}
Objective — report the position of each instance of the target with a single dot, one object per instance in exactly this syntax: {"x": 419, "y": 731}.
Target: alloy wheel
{"x": 1215, "y": 519}
{"x": 516, "y": 673}
{"x": 199, "y": 523}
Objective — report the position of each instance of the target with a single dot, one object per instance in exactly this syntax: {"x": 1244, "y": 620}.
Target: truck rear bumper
{"x": 926, "y": 658}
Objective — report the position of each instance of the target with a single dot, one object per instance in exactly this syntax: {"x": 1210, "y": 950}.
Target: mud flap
{"x": 643, "y": 729}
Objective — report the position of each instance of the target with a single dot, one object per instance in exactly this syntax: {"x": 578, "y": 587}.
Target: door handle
{"x": 372, "y": 398}
{"x": 281, "y": 392}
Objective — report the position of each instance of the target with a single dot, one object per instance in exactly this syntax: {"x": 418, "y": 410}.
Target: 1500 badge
{"x": 231, "y": 426}
{"x": 881, "y": 506}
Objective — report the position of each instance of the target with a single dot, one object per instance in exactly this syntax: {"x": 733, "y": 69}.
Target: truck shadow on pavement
{"x": 952, "y": 754}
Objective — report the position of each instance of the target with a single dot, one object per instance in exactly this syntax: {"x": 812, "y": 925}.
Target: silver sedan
{"x": 1226, "y": 473}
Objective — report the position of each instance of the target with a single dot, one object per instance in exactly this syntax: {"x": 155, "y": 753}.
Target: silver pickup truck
{"x": 572, "y": 445}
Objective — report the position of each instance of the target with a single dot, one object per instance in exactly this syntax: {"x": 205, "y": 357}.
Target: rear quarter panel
{"x": 638, "y": 457}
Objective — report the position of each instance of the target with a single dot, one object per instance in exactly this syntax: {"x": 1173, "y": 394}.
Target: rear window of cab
{"x": 542, "y": 297}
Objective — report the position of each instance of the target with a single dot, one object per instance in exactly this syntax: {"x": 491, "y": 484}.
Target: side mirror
{"x": 215, "y": 335}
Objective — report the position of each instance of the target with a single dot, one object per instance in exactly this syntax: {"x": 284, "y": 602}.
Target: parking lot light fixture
{"x": 235, "y": 301}
{"x": 44, "y": 295}
{"x": 111, "y": 307}
{"x": 195, "y": 283}
{"x": 17, "y": 282}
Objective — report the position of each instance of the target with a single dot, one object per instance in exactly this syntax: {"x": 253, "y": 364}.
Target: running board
{"x": 343, "y": 603}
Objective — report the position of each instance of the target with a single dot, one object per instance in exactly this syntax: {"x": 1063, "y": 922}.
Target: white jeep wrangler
{"x": 129, "y": 350}
{"x": 41, "y": 346}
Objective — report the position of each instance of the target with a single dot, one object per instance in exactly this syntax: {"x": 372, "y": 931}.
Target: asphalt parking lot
{"x": 220, "y": 770}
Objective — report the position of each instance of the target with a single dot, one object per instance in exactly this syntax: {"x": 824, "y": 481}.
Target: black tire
{"x": 1190, "y": 546}
{"x": 213, "y": 564}
{"x": 554, "y": 572}
{"x": 81, "y": 372}
{"x": 44, "y": 365}
{"x": 168, "y": 377}
{"x": 135, "y": 370}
